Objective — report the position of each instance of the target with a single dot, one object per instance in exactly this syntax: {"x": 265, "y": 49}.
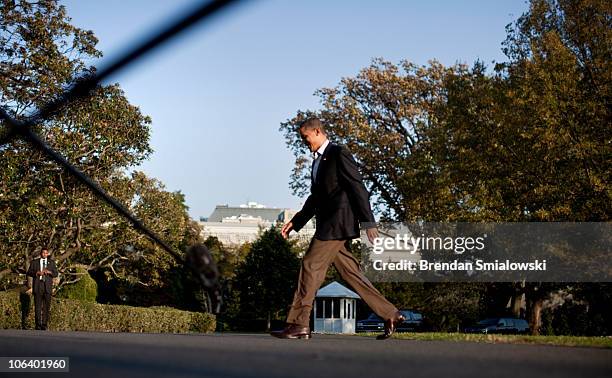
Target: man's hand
{"x": 286, "y": 230}
{"x": 40, "y": 273}
{"x": 372, "y": 234}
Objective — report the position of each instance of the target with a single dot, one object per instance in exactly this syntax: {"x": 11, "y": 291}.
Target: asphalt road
{"x": 118, "y": 355}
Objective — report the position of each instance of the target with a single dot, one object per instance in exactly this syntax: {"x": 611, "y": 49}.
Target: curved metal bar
{"x": 198, "y": 259}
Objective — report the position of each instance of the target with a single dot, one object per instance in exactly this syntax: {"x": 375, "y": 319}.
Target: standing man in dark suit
{"x": 42, "y": 271}
{"x": 340, "y": 202}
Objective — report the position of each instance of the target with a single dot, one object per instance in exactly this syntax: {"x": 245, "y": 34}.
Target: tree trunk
{"x": 535, "y": 318}
{"x": 269, "y": 325}
{"x": 535, "y": 298}
{"x": 516, "y": 302}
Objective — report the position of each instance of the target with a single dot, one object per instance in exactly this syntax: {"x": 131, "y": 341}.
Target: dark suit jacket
{"x": 46, "y": 284}
{"x": 338, "y": 198}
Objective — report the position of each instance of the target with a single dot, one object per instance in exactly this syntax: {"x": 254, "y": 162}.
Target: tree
{"x": 104, "y": 135}
{"x": 229, "y": 261}
{"x": 558, "y": 91}
{"x": 266, "y": 280}
{"x": 41, "y": 53}
{"x": 530, "y": 142}
{"x": 381, "y": 116}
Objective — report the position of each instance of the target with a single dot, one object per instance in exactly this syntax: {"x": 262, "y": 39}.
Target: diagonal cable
{"x": 85, "y": 85}
{"x": 82, "y": 88}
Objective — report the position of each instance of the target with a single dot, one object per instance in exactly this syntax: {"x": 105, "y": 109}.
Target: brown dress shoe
{"x": 391, "y": 326}
{"x": 292, "y": 331}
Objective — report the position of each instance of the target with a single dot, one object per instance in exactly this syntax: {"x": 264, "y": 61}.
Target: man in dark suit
{"x": 340, "y": 202}
{"x": 42, "y": 271}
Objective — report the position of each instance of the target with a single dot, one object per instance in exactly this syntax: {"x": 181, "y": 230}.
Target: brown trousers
{"x": 320, "y": 255}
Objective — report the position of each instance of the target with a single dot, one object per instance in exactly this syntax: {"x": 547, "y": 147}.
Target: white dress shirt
{"x": 317, "y": 159}
{"x": 43, "y": 265}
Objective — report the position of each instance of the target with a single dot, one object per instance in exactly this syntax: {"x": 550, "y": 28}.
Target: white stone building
{"x": 235, "y": 225}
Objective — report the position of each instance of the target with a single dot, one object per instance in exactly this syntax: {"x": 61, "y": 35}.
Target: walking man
{"x": 42, "y": 271}
{"x": 340, "y": 202}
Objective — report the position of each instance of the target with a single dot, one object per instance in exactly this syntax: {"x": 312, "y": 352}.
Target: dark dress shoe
{"x": 391, "y": 326}
{"x": 292, "y": 331}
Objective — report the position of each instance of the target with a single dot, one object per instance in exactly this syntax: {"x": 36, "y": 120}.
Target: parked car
{"x": 499, "y": 325}
{"x": 374, "y": 323}
{"x": 413, "y": 322}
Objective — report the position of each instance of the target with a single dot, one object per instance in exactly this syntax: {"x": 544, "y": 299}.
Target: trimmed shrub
{"x": 74, "y": 315}
{"x": 86, "y": 289}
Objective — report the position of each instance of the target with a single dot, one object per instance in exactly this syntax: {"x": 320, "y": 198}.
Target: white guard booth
{"x": 334, "y": 309}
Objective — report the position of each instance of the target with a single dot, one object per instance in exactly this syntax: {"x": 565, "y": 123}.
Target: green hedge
{"x": 74, "y": 315}
{"x": 85, "y": 289}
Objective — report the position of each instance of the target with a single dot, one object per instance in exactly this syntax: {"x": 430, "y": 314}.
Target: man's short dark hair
{"x": 312, "y": 124}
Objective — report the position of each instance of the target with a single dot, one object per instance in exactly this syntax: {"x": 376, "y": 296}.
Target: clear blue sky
{"x": 218, "y": 93}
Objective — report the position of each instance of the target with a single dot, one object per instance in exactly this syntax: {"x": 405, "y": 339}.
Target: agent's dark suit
{"x": 340, "y": 202}
{"x": 42, "y": 288}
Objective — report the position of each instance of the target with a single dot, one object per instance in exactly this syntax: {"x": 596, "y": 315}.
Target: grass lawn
{"x": 574, "y": 341}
